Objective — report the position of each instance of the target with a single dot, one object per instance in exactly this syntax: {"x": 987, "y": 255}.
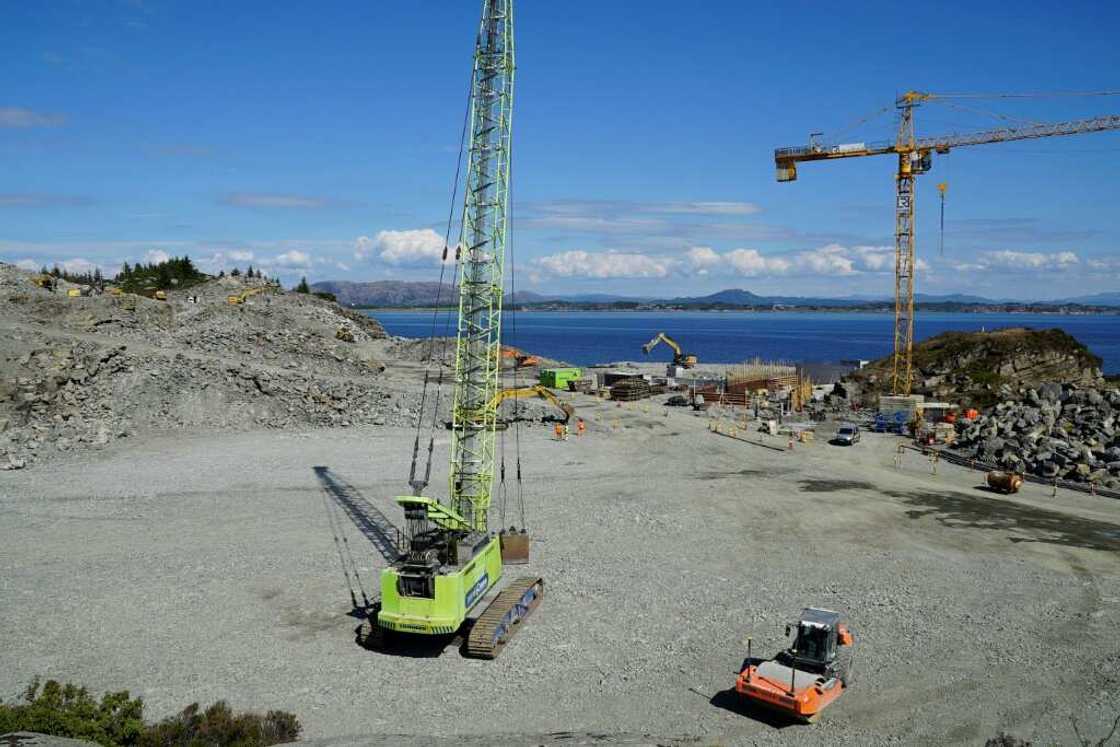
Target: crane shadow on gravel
{"x": 385, "y": 537}
{"x": 389, "y": 542}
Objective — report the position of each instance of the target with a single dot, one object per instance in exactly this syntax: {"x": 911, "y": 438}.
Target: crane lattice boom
{"x": 481, "y": 253}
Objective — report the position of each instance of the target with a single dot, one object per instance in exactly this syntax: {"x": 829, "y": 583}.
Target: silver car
{"x": 846, "y": 435}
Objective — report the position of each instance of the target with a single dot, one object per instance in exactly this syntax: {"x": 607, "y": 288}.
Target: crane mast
{"x": 481, "y": 254}
{"x": 453, "y": 559}
{"x": 915, "y": 157}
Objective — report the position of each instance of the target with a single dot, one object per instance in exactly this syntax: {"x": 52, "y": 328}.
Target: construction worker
{"x": 558, "y": 429}
{"x": 580, "y": 427}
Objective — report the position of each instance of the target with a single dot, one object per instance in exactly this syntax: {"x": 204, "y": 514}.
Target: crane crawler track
{"x": 500, "y": 621}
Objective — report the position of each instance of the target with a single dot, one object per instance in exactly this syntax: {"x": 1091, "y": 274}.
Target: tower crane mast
{"x": 915, "y": 156}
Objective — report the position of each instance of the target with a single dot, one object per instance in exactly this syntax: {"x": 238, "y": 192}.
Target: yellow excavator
{"x": 240, "y": 298}
{"x": 534, "y": 391}
{"x": 684, "y": 360}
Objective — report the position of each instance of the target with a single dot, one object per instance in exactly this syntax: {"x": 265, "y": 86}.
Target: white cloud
{"x": 155, "y": 256}
{"x": 578, "y": 263}
{"x": 363, "y": 247}
{"x": 703, "y": 258}
{"x": 1015, "y": 261}
{"x": 78, "y": 266}
{"x": 829, "y": 260}
{"x": 752, "y": 263}
{"x": 257, "y": 200}
{"x": 702, "y": 208}
{"x": 28, "y": 264}
{"x": 832, "y": 260}
{"x": 1104, "y": 264}
{"x": 293, "y": 258}
{"x": 239, "y": 255}
{"x": 414, "y": 248}
{"x": 16, "y": 117}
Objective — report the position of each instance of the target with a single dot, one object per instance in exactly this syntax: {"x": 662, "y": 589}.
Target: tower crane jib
{"x": 914, "y": 156}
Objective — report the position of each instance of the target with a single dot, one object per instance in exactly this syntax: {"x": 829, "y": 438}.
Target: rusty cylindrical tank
{"x": 1004, "y": 482}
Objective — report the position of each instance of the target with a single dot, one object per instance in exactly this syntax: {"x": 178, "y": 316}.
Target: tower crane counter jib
{"x": 915, "y": 156}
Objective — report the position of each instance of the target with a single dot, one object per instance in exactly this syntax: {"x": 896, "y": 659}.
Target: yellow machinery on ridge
{"x": 915, "y": 157}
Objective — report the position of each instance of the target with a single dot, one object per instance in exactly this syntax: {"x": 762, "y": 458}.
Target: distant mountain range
{"x": 405, "y": 294}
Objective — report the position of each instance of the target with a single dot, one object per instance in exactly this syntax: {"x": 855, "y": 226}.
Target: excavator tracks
{"x": 500, "y": 621}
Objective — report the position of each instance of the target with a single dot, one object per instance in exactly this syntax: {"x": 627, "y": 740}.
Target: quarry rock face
{"x": 80, "y": 373}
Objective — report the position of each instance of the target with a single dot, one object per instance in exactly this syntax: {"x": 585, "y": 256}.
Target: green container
{"x": 558, "y": 378}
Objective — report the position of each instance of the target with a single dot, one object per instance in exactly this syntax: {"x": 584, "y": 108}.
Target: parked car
{"x": 846, "y": 435}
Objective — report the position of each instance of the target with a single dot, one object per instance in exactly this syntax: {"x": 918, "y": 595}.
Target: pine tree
{"x": 56, "y": 272}
{"x": 235, "y": 273}
{"x": 303, "y": 287}
{"x": 221, "y": 273}
{"x": 249, "y": 274}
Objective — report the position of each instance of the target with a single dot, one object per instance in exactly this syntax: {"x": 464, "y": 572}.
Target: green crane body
{"x": 453, "y": 559}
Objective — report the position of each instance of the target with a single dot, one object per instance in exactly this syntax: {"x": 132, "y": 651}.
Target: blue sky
{"x": 320, "y": 140}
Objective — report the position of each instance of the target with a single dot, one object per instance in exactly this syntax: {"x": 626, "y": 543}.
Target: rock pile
{"x": 1053, "y": 431}
{"x": 62, "y": 397}
{"x": 82, "y": 372}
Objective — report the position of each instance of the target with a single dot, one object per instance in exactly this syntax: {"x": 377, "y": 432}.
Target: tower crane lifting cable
{"x": 915, "y": 157}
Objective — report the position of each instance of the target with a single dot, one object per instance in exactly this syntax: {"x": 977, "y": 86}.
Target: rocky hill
{"x": 81, "y": 372}
{"x": 383, "y": 292}
{"x": 979, "y": 367}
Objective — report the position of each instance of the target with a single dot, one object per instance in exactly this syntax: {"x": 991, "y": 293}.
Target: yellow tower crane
{"x": 915, "y": 157}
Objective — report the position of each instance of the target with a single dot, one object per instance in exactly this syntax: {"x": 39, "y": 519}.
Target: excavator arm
{"x": 680, "y": 358}
{"x": 534, "y": 391}
{"x": 662, "y": 337}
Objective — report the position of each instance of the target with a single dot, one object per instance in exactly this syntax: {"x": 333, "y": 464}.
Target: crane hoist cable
{"x": 419, "y": 485}
{"x": 513, "y": 334}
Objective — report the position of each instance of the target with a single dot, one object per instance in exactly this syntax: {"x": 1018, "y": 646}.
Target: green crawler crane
{"x": 453, "y": 557}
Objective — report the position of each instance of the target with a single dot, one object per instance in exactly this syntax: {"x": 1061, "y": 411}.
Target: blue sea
{"x": 586, "y": 337}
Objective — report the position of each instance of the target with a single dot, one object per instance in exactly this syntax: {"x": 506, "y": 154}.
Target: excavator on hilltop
{"x": 682, "y": 359}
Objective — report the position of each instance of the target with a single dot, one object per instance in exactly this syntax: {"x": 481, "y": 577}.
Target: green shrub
{"x": 219, "y": 725}
{"x": 70, "y": 711}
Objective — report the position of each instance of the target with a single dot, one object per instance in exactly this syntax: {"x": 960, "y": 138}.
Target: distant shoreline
{"x": 937, "y": 308}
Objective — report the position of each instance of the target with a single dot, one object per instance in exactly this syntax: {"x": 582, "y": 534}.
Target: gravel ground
{"x": 196, "y": 566}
